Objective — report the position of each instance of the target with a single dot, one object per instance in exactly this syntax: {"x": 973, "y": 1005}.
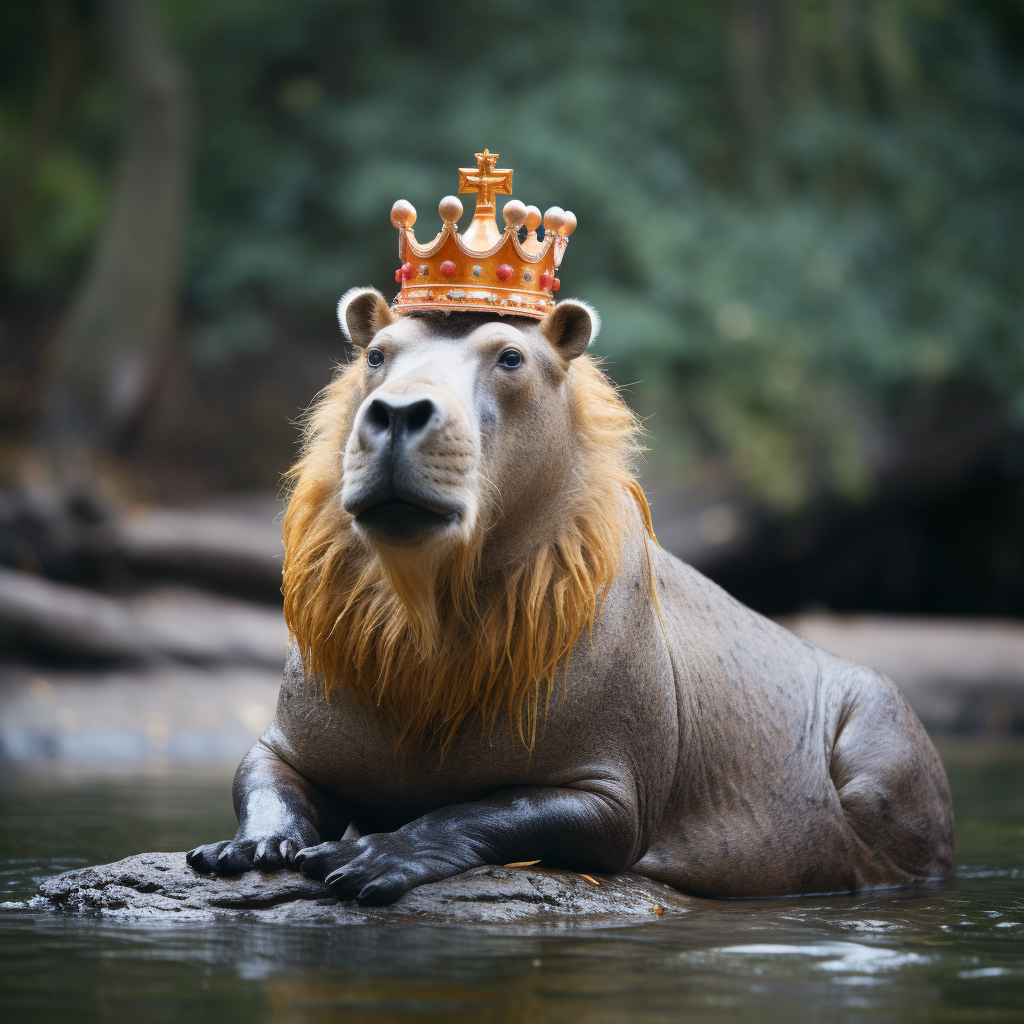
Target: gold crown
{"x": 482, "y": 268}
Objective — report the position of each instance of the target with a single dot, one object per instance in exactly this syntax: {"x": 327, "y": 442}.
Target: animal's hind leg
{"x": 891, "y": 785}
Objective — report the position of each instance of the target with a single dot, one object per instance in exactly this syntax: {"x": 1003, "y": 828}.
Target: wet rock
{"x": 161, "y": 886}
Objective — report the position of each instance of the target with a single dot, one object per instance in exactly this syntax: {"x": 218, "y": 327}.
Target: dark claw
{"x": 384, "y": 890}
{"x": 204, "y": 858}
{"x": 288, "y": 850}
{"x": 275, "y": 853}
{"x": 268, "y": 856}
{"x": 319, "y": 861}
{"x": 336, "y": 876}
{"x": 236, "y": 858}
{"x": 345, "y": 882}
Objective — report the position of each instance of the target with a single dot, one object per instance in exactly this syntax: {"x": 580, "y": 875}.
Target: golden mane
{"x": 485, "y": 645}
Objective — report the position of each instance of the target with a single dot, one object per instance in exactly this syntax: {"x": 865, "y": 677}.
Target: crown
{"x": 482, "y": 268}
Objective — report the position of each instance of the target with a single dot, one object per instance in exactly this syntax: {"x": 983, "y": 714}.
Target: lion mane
{"x": 431, "y": 654}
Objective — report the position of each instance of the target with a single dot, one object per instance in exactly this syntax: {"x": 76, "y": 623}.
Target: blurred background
{"x": 801, "y": 222}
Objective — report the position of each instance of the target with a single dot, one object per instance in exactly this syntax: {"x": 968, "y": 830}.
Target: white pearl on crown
{"x": 403, "y": 214}
{"x": 514, "y": 213}
{"x": 533, "y": 218}
{"x": 554, "y": 218}
{"x": 450, "y": 209}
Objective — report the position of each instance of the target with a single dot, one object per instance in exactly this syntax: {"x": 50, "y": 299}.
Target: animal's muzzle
{"x": 394, "y": 493}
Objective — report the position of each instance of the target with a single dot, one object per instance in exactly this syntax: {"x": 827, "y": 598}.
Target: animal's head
{"x": 459, "y": 508}
{"x": 460, "y": 422}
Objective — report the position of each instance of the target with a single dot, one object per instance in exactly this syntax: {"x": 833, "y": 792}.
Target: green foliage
{"x": 58, "y": 125}
{"x": 783, "y": 220}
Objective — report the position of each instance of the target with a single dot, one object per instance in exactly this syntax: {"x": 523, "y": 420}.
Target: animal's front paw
{"x": 233, "y": 856}
{"x": 375, "y": 869}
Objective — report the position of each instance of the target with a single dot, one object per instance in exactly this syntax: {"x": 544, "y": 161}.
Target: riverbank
{"x": 961, "y": 676}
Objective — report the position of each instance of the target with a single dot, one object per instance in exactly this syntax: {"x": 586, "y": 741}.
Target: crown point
{"x": 569, "y": 226}
{"x": 533, "y": 218}
{"x": 554, "y": 218}
{"x": 450, "y": 209}
{"x": 514, "y": 213}
{"x": 403, "y": 214}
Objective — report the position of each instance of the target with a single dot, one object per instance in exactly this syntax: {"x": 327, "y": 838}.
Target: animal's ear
{"x": 571, "y": 326}
{"x": 362, "y": 312}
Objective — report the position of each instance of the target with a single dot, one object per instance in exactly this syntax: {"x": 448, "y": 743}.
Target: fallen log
{"x": 73, "y": 537}
{"x": 67, "y": 623}
{"x": 226, "y": 551}
{"x": 59, "y": 622}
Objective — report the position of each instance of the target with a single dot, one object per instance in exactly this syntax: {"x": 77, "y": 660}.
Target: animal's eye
{"x": 375, "y": 357}
{"x": 510, "y": 357}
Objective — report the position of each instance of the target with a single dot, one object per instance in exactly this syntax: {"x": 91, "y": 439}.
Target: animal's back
{"x": 798, "y": 771}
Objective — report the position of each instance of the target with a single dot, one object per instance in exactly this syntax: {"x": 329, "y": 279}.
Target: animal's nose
{"x": 399, "y": 415}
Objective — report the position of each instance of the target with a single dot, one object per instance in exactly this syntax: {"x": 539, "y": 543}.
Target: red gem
{"x": 555, "y": 285}
{"x": 505, "y": 272}
{"x": 398, "y": 275}
{"x": 408, "y": 271}
{"x": 546, "y": 278}
{"x": 448, "y": 268}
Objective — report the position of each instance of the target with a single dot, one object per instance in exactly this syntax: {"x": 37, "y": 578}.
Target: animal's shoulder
{"x": 697, "y": 608}
{"x": 730, "y": 652}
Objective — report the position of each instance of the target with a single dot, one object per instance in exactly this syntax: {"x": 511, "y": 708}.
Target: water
{"x": 949, "y": 954}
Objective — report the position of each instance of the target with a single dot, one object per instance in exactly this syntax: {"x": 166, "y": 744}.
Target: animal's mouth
{"x": 403, "y": 522}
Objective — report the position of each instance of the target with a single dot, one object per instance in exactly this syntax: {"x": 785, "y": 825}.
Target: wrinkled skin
{"x": 721, "y": 754}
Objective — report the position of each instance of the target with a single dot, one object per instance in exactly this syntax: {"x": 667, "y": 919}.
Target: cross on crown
{"x": 485, "y": 180}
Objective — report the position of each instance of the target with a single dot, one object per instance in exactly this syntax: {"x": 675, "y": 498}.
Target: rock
{"x": 161, "y": 886}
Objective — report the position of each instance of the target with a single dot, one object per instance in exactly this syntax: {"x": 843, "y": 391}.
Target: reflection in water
{"x": 951, "y": 953}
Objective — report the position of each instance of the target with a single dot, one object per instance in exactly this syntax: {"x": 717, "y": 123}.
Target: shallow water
{"x": 949, "y": 954}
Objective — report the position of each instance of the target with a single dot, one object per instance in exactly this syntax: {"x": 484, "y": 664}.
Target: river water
{"x": 948, "y": 954}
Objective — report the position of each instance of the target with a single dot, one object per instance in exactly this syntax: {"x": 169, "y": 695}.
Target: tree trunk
{"x": 117, "y": 334}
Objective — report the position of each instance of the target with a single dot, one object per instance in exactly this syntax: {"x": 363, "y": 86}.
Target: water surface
{"x": 948, "y": 954}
